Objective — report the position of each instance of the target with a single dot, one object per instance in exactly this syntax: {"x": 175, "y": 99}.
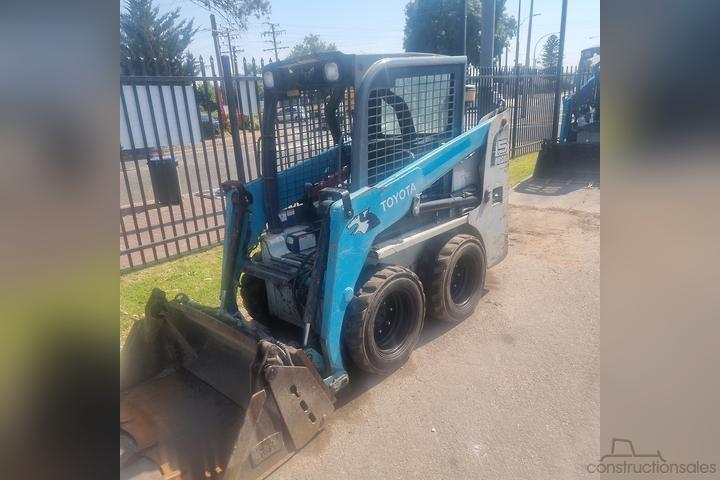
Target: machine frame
{"x": 348, "y": 252}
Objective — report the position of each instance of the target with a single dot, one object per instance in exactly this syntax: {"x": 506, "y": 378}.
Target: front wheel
{"x": 383, "y": 325}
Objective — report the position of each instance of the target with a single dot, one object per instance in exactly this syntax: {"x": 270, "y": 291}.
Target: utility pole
{"x": 218, "y": 60}
{"x": 230, "y": 48}
{"x": 529, "y": 35}
{"x": 464, "y": 38}
{"x": 216, "y": 43}
{"x": 558, "y": 82}
{"x": 527, "y": 56}
{"x": 517, "y": 36}
{"x": 487, "y": 47}
{"x": 487, "y": 35}
{"x": 274, "y": 33}
{"x": 516, "y": 91}
{"x": 231, "y": 51}
{"x": 234, "y": 60}
{"x": 228, "y": 37}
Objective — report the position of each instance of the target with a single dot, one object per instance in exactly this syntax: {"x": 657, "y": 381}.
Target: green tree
{"x": 310, "y": 45}
{"x": 154, "y": 44}
{"x": 206, "y": 100}
{"x": 550, "y": 52}
{"x": 436, "y": 26}
{"x": 236, "y": 12}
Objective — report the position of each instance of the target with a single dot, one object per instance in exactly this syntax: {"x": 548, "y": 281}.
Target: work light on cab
{"x": 268, "y": 79}
{"x": 331, "y": 72}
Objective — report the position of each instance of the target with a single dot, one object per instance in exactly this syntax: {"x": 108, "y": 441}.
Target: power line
{"x": 273, "y": 33}
{"x": 227, "y": 36}
{"x": 359, "y": 29}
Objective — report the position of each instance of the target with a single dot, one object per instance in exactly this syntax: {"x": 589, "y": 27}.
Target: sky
{"x": 376, "y": 26}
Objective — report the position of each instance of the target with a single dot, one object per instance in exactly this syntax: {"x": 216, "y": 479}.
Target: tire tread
{"x": 353, "y": 328}
{"x": 434, "y": 288}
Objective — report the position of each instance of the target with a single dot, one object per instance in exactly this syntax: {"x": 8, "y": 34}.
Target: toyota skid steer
{"x": 375, "y": 209}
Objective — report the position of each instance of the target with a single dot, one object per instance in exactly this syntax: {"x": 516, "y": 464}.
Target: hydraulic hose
{"x": 269, "y": 163}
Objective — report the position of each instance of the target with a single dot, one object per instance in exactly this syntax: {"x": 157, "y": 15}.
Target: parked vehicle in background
{"x": 293, "y": 113}
{"x": 210, "y": 127}
{"x": 205, "y": 119}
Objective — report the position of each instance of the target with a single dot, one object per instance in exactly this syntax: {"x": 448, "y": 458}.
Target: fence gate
{"x": 530, "y": 96}
{"x": 176, "y": 148}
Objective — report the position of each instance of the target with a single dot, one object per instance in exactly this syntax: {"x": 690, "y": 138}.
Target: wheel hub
{"x": 391, "y": 322}
{"x": 463, "y": 280}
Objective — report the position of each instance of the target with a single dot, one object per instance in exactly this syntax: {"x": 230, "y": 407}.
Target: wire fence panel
{"x": 177, "y": 145}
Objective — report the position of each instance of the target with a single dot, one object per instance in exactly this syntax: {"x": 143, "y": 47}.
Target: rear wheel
{"x": 458, "y": 279}
{"x": 383, "y": 325}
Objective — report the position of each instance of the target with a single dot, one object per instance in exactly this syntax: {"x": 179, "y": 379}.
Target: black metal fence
{"x": 182, "y": 136}
{"x": 177, "y": 147}
{"x": 530, "y": 96}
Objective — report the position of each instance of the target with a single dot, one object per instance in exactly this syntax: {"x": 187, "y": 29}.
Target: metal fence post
{"x": 232, "y": 104}
{"x": 558, "y": 84}
{"x": 515, "y": 111}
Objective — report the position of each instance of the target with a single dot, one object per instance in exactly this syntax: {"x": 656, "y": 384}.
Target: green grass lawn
{"x": 197, "y": 275}
{"x": 522, "y": 167}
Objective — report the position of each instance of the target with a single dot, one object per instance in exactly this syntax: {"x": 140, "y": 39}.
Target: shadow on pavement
{"x": 557, "y": 186}
{"x": 361, "y": 381}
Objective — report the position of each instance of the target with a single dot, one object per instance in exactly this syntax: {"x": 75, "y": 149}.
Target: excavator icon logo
{"x": 624, "y": 448}
{"x": 624, "y": 459}
{"x": 363, "y": 221}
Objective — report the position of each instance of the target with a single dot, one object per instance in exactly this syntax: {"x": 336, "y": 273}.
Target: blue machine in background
{"x": 580, "y": 118}
{"x": 576, "y": 153}
{"x": 375, "y": 210}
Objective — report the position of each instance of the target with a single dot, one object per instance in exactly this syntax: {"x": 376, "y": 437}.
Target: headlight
{"x": 331, "y": 72}
{"x": 268, "y": 79}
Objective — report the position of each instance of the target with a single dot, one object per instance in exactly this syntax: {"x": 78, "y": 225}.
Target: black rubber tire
{"x": 254, "y": 297}
{"x": 457, "y": 279}
{"x": 394, "y": 292}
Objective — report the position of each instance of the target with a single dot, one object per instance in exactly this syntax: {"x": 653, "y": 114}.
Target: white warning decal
{"x": 500, "y": 152}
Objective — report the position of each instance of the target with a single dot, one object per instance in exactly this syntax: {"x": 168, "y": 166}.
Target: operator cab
{"x": 308, "y": 127}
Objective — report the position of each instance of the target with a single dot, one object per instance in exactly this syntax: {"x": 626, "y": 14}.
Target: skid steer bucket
{"x": 568, "y": 160}
{"x": 204, "y": 395}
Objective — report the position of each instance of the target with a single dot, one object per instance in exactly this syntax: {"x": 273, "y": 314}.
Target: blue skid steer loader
{"x": 375, "y": 209}
{"x": 576, "y": 154}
